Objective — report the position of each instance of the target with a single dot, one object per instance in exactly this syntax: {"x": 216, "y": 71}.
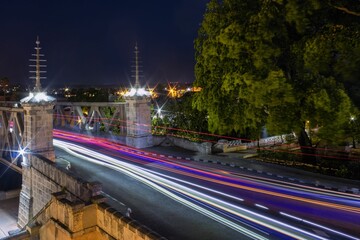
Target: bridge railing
{"x": 11, "y": 130}
{"x": 237, "y": 145}
{"x": 91, "y": 116}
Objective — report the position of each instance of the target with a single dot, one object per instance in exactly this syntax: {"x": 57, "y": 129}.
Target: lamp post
{"x": 353, "y": 128}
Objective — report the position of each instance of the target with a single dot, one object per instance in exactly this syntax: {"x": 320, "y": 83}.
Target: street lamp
{"x": 21, "y": 155}
{"x": 353, "y": 124}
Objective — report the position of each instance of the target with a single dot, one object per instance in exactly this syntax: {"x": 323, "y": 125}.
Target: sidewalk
{"x": 8, "y": 216}
{"x": 237, "y": 162}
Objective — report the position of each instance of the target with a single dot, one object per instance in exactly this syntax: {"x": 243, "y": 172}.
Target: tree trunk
{"x": 307, "y": 150}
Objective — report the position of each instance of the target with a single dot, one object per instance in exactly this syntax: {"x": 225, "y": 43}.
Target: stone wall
{"x": 76, "y": 211}
{"x": 47, "y": 179}
{"x": 38, "y": 128}
{"x": 41, "y": 179}
{"x": 118, "y": 226}
{"x": 138, "y": 121}
{"x": 63, "y": 219}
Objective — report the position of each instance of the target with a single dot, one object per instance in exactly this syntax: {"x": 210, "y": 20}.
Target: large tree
{"x": 286, "y": 64}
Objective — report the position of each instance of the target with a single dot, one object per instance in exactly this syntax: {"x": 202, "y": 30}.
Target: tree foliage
{"x": 184, "y": 117}
{"x": 179, "y": 118}
{"x": 280, "y": 63}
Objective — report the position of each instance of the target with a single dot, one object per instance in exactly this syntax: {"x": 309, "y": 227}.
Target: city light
{"x": 37, "y": 98}
{"x": 22, "y": 152}
{"x": 137, "y": 92}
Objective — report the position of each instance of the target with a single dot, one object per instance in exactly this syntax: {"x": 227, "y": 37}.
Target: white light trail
{"x": 261, "y": 206}
{"x": 318, "y": 225}
{"x": 196, "y": 185}
{"x": 158, "y": 182}
{"x": 128, "y": 169}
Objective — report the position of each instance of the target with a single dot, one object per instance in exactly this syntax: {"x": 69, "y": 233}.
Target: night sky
{"x": 91, "y": 42}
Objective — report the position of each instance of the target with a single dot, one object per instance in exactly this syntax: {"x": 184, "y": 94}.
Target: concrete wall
{"x": 204, "y": 148}
{"x": 280, "y": 139}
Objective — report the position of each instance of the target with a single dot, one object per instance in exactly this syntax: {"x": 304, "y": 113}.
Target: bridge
{"x": 57, "y": 204}
{"x": 26, "y": 132}
{"x": 26, "y": 145}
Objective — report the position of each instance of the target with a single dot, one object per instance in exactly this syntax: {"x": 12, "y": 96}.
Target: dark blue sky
{"x": 91, "y": 41}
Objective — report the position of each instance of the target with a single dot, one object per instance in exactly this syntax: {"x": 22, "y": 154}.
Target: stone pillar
{"x": 38, "y": 138}
{"x": 26, "y": 199}
{"x": 38, "y": 129}
{"x": 138, "y": 121}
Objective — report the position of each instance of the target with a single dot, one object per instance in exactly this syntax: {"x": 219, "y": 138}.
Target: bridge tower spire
{"x": 137, "y": 69}
{"x": 38, "y": 66}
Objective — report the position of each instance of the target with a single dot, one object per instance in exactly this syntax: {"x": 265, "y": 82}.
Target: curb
{"x": 233, "y": 165}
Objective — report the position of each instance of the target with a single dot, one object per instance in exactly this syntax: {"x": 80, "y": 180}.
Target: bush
{"x": 273, "y": 154}
{"x": 342, "y": 171}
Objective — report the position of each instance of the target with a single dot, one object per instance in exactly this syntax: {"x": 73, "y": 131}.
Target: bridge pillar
{"x": 37, "y": 139}
{"x": 138, "y": 121}
{"x": 38, "y": 131}
{"x": 26, "y": 200}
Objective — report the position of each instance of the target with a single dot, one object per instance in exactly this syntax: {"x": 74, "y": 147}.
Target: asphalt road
{"x": 284, "y": 202}
{"x": 151, "y": 208}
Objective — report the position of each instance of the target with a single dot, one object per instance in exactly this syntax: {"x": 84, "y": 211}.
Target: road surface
{"x": 180, "y": 201}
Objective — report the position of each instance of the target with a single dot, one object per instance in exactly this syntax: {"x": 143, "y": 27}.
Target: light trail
{"x": 233, "y": 182}
{"x": 319, "y": 226}
{"x": 258, "y": 205}
{"x": 133, "y": 172}
{"x": 328, "y": 213}
{"x": 152, "y": 179}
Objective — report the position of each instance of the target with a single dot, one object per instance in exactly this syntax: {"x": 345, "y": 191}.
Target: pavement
{"x": 238, "y": 161}
{"x": 8, "y": 216}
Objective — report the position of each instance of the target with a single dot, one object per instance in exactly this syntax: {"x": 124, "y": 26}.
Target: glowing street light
{"x": 21, "y": 153}
{"x": 172, "y": 92}
{"x": 353, "y": 124}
